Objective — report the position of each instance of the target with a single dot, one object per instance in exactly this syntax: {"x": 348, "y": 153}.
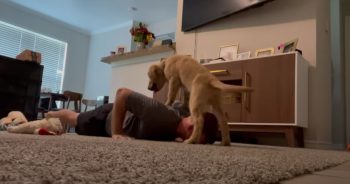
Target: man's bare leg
{"x": 67, "y": 117}
{"x": 118, "y": 113}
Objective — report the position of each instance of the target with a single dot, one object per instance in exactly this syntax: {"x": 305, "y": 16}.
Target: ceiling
{"x": 92, "y": 16}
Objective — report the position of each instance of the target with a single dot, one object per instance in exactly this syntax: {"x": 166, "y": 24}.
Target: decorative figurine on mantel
{"x": 141, "y": 36}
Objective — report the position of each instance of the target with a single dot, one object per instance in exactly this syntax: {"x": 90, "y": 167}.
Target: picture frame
{"x": 290, "y": 46}
{"x": 121, "y": 50}
{"x": 264, "y": 52}
{"x": 244, "y": 55}
{"x": 229, "y": 52}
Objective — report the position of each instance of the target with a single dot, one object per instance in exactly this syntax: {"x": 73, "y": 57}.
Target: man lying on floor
{"x": 134, "y": 115}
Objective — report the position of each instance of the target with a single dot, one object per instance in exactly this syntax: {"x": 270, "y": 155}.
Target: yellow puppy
{"x": 205, "y": 90}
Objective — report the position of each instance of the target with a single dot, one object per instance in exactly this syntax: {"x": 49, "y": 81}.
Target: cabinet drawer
{"x": 229, "y": 73}
{"x": 226, "y": 71}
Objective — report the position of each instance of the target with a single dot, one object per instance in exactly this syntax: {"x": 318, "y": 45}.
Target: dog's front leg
{"x": 174, "y": 85}
{"x": 224, "y": 128}
{"x": 198, "y": 121}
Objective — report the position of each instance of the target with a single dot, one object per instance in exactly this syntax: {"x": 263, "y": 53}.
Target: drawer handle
{"x": 219, "y": 72}
{"x": 246, "y": 95}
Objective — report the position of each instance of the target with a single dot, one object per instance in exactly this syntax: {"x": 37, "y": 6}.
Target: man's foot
{"x": 121, "y": 137}
{"x": 67, "y": 117}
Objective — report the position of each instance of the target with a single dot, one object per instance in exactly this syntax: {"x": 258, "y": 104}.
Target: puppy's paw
{"x": 225, "y": 143}
{"x": 5, "y": 120}
{"x": 11, "y": 129}
{"x": 190, "y": 141}
{"x": 18, "y": 121}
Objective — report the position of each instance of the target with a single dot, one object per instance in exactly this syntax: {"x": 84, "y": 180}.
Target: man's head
{"x": 209, "y": 132}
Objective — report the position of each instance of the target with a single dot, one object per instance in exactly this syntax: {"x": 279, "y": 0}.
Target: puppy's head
{"x": 156, "y": 77}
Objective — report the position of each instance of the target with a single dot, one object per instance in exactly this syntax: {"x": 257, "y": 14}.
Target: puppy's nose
{"x": 153, "y": 87}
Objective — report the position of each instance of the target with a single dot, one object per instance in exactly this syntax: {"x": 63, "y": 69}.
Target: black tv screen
{"x": 196, "y": 13}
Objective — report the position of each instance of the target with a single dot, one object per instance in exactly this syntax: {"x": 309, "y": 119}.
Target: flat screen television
{"x": 197, "y": 13}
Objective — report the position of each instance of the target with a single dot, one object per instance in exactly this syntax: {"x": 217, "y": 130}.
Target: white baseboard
{"x": 323, "y": 145}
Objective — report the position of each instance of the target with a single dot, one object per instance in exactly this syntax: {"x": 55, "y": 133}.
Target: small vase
{"x": 140, "y": 45}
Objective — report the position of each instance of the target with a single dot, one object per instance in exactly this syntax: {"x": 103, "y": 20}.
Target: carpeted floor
{"x": 78, "y": 159}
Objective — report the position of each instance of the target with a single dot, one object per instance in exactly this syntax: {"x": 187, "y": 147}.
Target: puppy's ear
{"x": 162, "y": 63}
{"x": 159, "y": 70}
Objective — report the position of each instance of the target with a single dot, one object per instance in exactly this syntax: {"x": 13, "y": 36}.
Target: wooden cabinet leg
{"x": 294, "y": 136}
{"x": 290, "y": 136}
{"x": 300, "y": 136}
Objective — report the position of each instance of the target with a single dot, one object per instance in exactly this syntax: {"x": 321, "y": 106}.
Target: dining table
{"x": 52, "y": 98}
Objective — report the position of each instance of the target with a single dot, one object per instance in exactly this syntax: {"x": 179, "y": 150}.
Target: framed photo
{"x": 120, "y": 50}
{"x": 229, "y": 52}
{"x": 264, "y": 52}
{"x": 244, "y": 55}
{"x": 290, "y": 46}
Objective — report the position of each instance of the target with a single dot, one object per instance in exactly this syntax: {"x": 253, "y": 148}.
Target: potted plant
{"x": 141, "y": 35}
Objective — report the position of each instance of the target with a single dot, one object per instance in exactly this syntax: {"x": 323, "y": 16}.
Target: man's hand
{"x": 121, "y": 137}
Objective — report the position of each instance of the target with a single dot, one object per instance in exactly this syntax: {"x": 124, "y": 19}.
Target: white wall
{"x": 78, "y": 43}
{"x": 98, "y": 76}
{"x": 164, "y": 27}
{"x": 132, "y": 73}
{"x": 268, "y": 26}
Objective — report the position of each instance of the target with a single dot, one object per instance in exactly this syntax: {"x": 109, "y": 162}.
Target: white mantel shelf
{"x": 139, "y": 53}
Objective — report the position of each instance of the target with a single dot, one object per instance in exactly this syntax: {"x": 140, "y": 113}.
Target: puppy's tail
{"x": 230, "y": 88}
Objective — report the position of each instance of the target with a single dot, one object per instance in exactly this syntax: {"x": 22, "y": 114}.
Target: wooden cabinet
{"x": 279, "y": 102}
{"x": 280, "y": 85}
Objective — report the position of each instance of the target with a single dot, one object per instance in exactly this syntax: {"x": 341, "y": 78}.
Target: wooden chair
{"x": 48, "y": 102}
{"x": 73, "y": 97}
{"x": 89, "y": 103}
{"x": 76, "y": 99}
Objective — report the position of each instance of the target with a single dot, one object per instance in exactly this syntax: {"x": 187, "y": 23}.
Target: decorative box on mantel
{"x": 130, "y": 69}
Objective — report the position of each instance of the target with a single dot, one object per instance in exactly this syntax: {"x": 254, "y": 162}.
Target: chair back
{"x": 101, "y": 100}
{"x": 89, "y": 103}
{"x": 73, "y": 97}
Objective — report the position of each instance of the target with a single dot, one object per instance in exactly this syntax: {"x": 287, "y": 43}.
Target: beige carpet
{"x": 79, "y": 159}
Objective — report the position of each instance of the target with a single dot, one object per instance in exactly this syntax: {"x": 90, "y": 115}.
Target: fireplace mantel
{"x": 139, "y": 56}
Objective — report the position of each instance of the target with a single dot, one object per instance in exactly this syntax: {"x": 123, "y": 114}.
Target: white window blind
{"x": 13, "y": 40}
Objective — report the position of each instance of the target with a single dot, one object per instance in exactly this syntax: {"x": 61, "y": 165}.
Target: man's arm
{"x": 118, "y": 113}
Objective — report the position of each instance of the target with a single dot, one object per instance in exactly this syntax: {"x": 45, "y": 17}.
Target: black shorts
{"x": 146, "y": 118}
{"x": 93, "y": 122}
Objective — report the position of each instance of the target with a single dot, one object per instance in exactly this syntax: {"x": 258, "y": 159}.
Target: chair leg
{"x": 66, "y": 128}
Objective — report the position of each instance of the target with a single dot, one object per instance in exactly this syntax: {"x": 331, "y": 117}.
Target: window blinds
{"x": 13, "y": 40}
